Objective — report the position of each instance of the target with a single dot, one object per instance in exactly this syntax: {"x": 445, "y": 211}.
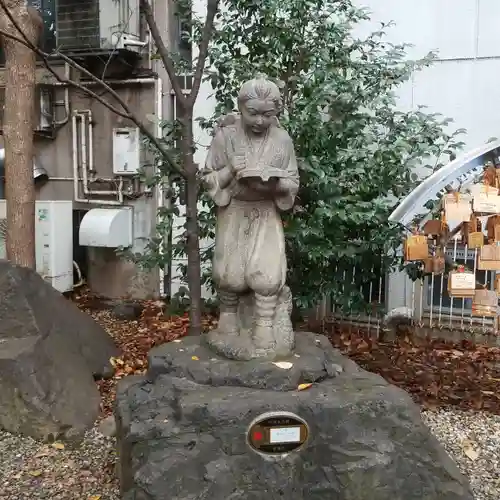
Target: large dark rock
{"x": 182, "y": 431}
{"x": 50, "y": 353}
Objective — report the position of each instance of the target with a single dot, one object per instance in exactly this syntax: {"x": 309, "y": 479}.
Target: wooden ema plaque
{"x": 461, "y": 283}
{"x": 277, "y": 433}
{"x": 457, "y": 207}
{"x": 485, "y": 199}
{"x": 485, "y": 303}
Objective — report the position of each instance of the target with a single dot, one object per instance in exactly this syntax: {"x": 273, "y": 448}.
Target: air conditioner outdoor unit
{"x": 98, "y": 24}
{"x": 53, "y": 241}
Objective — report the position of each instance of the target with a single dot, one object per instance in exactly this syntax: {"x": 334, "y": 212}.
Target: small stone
{"x": 127, "y": 311}
{"x": 107, "y": 427}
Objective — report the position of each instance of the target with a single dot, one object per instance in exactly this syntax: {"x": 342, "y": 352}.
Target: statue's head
{"x": 259, "y": 101}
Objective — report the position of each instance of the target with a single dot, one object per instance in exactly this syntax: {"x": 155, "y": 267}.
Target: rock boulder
{"x": 50, "y": 354}
{"x": 182, "y": 430}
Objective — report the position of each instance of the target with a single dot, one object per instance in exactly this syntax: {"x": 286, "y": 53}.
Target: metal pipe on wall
{"x": 91, "y": 170}
{"x": 80, "y": 116}
{"x": 67, "y": 75}
{"x": 110, "y": 83}
{"x": 87, "y": 153}
{"x": 164, "y": 273}
{"x": 40, "y": 175}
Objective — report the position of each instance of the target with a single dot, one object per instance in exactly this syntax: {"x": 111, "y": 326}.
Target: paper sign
{"x": 483, "y": 189}
{"x": 488, "y": 204}
{"x": 285, "y": 435}
{"x": 462, "y": 281}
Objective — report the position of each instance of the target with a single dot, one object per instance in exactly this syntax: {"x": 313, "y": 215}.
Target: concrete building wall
{"x": 108, "y": 273}
{"x": 462, "y": 82}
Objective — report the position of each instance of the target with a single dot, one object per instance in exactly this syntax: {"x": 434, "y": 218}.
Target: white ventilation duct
{"x": 39, "y": 173}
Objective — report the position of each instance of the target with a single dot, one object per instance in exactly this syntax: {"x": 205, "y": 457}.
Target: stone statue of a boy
{"x": 251, "y": 174}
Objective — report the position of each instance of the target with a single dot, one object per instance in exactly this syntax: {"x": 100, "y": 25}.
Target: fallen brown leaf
{"x": 436, "y": 373}
{"x": 134, "y": 338}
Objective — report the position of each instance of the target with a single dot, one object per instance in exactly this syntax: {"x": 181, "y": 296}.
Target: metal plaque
{"x": 277, "y": 433}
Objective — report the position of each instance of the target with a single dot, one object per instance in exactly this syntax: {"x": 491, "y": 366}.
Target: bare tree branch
{"x": 163, "y": 52}
{"x": 126, "y": 113}
{"x": 208, "y": 27}
{"x": 72, "y": 83}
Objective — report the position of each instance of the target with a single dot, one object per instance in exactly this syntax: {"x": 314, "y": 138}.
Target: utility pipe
{"x": 83, "y": 151}
{"x": 88, "y": 152}
{"x": 148, "y": 34}
{"x": 67, "y": 75}
{"x": 164, "y": 274}
{"x": 91, "y": 170}
{"x": 80, "y": 179}
{"x": 110, "y": 83}
{"x": 75, "y": 158}
{"x": 76, "y": 193}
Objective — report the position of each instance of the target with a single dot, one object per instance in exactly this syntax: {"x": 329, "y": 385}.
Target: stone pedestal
{"x": 182, "y": 431}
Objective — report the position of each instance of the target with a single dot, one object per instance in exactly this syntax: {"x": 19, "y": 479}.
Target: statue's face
{"x": 257, "y": 115}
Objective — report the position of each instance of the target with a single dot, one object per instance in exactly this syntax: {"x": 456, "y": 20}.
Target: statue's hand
{"x": 261, "y": 186}
{"x": 284, "y": 185}
{"x": 236, "y": 168}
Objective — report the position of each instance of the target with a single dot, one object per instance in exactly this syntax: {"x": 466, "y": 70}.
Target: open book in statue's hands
{"x": 263, "y": 173}
{"x": 259, "y": 185}
{"x": 241, "y": 170}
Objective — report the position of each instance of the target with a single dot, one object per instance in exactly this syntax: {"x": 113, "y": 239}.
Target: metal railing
{"x": 429, "y": 309}
{"x": 374, "y": 294}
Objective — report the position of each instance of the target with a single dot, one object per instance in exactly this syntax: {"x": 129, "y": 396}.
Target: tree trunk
{"x": 192, "y": 230}
{"x": 18, "y": 121}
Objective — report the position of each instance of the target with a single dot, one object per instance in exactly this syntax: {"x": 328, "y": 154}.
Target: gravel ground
{"x": 30, "y": 470}
{"x": 472, "y": 439}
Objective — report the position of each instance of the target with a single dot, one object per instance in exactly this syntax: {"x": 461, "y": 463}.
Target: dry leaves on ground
{"x": 134, "y": 338}
{"x": 436, "y": 373}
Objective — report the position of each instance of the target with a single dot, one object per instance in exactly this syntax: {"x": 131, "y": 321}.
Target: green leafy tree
{"x": 358, "y": 153}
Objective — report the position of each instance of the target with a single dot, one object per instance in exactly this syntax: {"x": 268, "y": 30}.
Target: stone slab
{"x": 182, "y": 433}
{"x": 312, "y": 361}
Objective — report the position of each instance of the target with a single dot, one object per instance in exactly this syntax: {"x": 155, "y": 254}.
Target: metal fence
{"x": 428, "y": 310}
{"x": 374, "y": 294}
